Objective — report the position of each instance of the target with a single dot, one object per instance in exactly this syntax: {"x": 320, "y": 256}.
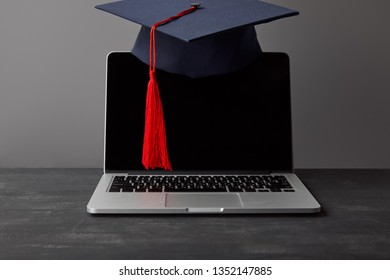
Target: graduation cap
{"x": 194, "y": 39}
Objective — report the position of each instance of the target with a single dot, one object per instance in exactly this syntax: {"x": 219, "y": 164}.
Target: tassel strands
{"x": 155, "y": 152}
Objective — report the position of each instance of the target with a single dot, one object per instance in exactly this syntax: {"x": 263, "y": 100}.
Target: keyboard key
{"x": 235, "y": 190}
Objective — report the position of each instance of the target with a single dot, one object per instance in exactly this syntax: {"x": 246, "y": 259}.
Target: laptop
{"x": 229, "y": 140}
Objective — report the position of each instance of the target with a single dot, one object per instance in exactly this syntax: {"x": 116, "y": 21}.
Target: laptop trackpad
{"x": 212, "y": 200}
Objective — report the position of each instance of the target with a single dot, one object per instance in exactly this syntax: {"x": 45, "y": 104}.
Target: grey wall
{"x": 52, "y": 60}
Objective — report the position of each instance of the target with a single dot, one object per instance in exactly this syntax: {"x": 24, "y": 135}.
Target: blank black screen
{"x": 236, "y": 121}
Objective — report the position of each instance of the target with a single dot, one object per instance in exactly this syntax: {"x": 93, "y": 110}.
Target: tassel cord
{"x": 152, "y": 56}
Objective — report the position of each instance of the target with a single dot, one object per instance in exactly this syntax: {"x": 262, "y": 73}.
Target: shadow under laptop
{"x": 322, "y": 213}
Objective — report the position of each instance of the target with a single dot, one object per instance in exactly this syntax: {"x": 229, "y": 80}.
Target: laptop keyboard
{"x": 204, "y": 183}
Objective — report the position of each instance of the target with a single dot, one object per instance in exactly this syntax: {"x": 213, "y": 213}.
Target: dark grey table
{"x": 43, "y": 216}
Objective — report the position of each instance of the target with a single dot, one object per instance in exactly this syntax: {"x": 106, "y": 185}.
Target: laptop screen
{"x": 237, "y": 121}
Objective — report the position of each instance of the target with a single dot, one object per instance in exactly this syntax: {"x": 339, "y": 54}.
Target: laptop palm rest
{"x": 197, "y": 202}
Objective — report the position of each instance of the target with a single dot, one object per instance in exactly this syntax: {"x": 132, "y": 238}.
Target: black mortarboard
{"x": 218, "y": 38}
{"x": 215, "y": 37}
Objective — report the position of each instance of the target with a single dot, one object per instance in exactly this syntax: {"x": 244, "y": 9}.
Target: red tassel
{"x": 155, "y": 152}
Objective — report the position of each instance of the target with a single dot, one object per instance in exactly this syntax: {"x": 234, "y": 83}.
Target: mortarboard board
{"x": 214, "y": 38}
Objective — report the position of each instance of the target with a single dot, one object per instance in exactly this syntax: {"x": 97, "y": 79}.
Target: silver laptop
{"x": 229, "y": 140}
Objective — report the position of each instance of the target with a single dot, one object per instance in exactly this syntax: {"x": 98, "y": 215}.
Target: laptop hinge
{"x": 199, "y": 172}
